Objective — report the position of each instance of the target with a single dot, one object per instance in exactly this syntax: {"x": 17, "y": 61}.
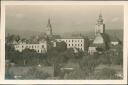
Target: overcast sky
{"x": 68, "y": 18}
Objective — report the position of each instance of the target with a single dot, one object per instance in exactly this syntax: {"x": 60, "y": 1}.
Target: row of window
{"x": 75, "y": 44}
{"x": 30, "y": 46}
{"x": 72, "y": 40}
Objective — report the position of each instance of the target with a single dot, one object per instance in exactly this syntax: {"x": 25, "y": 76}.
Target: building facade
{"x": 39, "y": 48}
{"x": 91, "y": 50}
{"x": 73, "y": 42}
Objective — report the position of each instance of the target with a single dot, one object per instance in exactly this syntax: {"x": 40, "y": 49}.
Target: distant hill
{"x": 115, "y": 33}
{"x": 27, "y": 33}
{"x": 112, "y": 33}
{"x": 23, "y": 33}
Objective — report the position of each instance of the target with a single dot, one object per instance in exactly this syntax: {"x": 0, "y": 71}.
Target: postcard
{"x": 66, "y": 42}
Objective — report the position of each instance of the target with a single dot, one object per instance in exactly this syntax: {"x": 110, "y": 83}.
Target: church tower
{"x": 100, "y": 26}
{"x": 49, "y": 28}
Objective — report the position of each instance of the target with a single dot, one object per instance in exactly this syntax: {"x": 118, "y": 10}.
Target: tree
{"x": 35, "y": 73}
{"x": 117, "y": 55}
{"x": 31, "y": 57}
{"x": 87, "y": 43}
{"x": 77, "y": 74}
{"x": 61, "y": 46}
{"x": 112, "y": 56}
{"x": 17, "y": 38}
{"x": 26, "y": 57}
{"x": 11, "y": 38}
{"x": 42, "y": 36}
{"x": 105, "y": 58}
{"x": 105, "y": 73}
{"x": 106, "y": 38}
{"x": 88, "y": 63}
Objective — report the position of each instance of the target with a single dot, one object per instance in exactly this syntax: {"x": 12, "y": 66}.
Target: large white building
{"x": 73, "y": 42}
{"x": 39, "y": 48}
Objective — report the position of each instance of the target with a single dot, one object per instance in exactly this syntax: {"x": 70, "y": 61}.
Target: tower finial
{"x": 100, "y": 15}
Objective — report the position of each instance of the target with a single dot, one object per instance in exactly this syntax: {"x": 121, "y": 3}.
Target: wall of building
{"x": 73, "y": 43}
{"x": 40, "y": 48}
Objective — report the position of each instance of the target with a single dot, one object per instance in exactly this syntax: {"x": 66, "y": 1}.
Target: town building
{"x": 71, "y": 42}
{"x": 40, "y": 47}
{"x": 99, "y": 41}
{"x": 115, "y": 41}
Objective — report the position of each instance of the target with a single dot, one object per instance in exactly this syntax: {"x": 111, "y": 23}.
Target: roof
{"x": 98, "y": 39}
{"x": 92, "y": 48}
{"x": 70, "y": 37}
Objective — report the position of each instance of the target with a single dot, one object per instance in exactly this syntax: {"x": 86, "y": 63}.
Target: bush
{"x": 34, "y": 73}
{"x": 77, "y": 74}
{"x": 105, "y": 73}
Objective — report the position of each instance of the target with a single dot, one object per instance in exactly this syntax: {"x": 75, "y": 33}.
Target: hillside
{"x": 23, "y": 33}
{"x": 27, "y": 33}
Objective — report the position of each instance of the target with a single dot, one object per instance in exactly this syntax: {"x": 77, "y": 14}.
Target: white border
{"x": 2, "y": 53}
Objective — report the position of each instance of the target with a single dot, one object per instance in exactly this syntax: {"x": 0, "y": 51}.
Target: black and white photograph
{"x": 60, "y": 84}
{"x": 64, "y": 42}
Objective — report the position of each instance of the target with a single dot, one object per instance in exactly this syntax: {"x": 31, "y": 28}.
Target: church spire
{"x": 49, "y": 28}
{"x": 49, "y": 23}
{"x": 100, "y": 19}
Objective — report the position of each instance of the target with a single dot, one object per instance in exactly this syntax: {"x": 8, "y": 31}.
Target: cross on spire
{"x": 49, "y": 23}
{"x": 100, "y": 19}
